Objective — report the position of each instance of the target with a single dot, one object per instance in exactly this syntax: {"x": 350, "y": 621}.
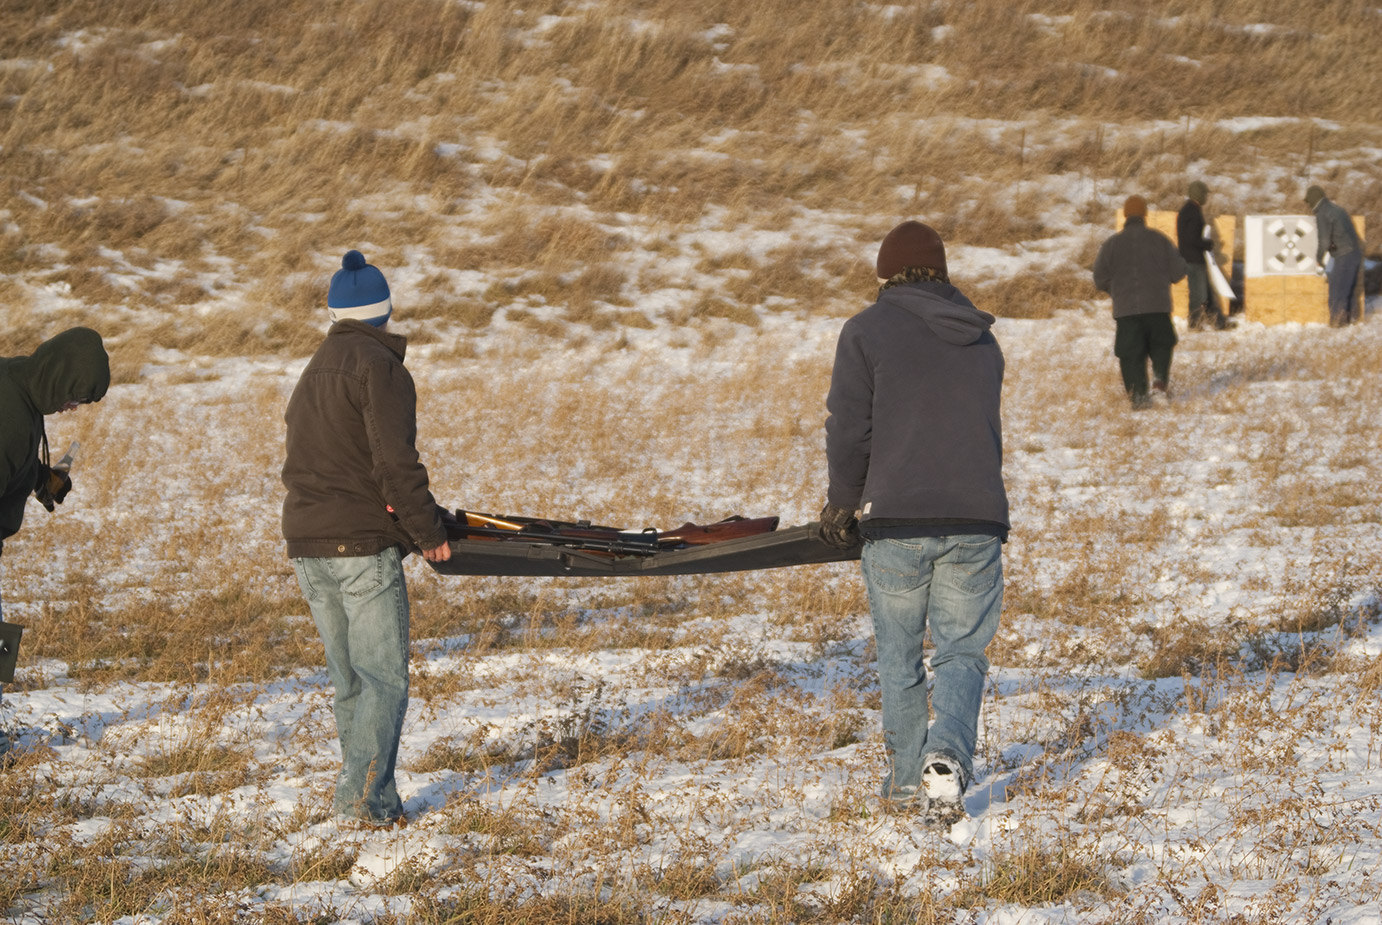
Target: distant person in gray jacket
{"x": 914, "y": 442}
{"x": 1338, "y": 239}
{"x": 1137, "y": 267}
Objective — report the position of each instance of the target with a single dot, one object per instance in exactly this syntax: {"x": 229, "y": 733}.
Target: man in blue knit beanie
{"x": 357, "y": 503}
{"x": 359, "y": 292}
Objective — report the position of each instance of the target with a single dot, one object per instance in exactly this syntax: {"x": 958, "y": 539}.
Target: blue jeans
{"x": 360, "y": 606}
{"x": 954, "y": 584}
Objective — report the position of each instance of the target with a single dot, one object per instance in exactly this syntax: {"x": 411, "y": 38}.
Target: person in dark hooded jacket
{"x": 1196, "y": 248}
{"x": 915, "y": 451}
{"x": 65, "y": 371}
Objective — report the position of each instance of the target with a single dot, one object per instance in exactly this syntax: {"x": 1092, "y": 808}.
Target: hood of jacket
{"x": 946, "y": 310}
{"x": 72, "y": 366}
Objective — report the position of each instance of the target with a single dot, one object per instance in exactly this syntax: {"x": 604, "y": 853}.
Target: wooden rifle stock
{"x": 731, "y": 528}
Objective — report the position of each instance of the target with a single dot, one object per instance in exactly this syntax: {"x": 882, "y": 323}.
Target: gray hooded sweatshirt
{"x": 915, "y": 433}
{"x": 1335, "y": 232}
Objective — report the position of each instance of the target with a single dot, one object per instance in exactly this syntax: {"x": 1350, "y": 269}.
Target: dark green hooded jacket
{"x": 73, "y": 366}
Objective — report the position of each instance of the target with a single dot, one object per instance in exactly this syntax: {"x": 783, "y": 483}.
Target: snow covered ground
{"x": 1183, "y": 721}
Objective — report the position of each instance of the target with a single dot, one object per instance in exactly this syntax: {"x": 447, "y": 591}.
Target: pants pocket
{"x": 361, "y": 577}
{"x": 893, "y": 567}
{"x": 309, "y": 590}
{"x": 975, "y": 567}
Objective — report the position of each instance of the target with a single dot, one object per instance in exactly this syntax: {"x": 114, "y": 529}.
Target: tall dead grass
{"x": 184, "y": 589}
{"x": 163, "y": 156}
{"x": 185, "y": 176}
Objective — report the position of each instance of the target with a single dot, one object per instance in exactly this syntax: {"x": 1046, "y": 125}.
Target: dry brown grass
{"x": 544, "y": 192}
{"x": 172, "y": 158}
{"x": 200, "y": 600}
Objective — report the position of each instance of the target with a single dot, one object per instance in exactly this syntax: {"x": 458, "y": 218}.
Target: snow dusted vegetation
{"x": 622, "y": 239}
{"x": 1183, "y": 720}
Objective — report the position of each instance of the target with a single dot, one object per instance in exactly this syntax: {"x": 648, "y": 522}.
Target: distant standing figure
{"x": 357, "y": 499}
{"x": 1197, "y": 248}
{"x": 1339, "y": 239}
{"x": 66, "y": 371}
{"x": 914, "y": 442}
{"x": 1136, "y": 267}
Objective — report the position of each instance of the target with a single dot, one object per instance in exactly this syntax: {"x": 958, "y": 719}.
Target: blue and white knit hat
{"x": 359, "y": 291}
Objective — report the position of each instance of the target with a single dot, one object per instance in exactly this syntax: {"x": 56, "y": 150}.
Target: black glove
{"x": 839, "y": 527}
{"x": 51, "y": 486}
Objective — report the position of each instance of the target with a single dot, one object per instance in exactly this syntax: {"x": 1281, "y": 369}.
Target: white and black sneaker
{"x": 944, "y": 786}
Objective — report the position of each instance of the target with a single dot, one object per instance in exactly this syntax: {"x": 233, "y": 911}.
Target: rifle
{"x": 731, "y": 528}
{"x": 582, "y": 534}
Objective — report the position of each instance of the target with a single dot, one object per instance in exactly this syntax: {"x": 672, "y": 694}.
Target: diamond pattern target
{"x": 1279, "y": 245}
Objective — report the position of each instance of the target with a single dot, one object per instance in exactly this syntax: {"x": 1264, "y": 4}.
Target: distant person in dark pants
{"x": 1197, "y": 248}
{"x": 1136, "y": 267}
{"x": 1339, "y": 240}
{"x": 914, "y": 442}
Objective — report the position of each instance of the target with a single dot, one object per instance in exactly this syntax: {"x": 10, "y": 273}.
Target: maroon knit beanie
{"x": 910, "y": 244}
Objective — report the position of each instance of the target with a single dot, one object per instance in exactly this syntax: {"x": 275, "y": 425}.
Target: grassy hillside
{"x": 621, "y": 238}
{"x": 190, "y": 172}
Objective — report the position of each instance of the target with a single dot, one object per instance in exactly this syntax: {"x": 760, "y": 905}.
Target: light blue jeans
{"x": 360, "y": 606}
{"x": 954, "y": 584}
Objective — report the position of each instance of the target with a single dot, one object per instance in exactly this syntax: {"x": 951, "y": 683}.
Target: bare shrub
{"x": 1042, "y": 875}
{"x": 1035, "y": 295}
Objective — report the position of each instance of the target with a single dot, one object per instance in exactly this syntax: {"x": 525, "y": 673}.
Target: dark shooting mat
{"x": 778, "y": 549}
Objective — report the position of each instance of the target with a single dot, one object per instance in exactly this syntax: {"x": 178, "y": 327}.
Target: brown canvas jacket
{"x": 352, "y": 430}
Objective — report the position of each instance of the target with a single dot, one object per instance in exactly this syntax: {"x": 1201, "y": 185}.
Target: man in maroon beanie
{"x": 915, "y": 450}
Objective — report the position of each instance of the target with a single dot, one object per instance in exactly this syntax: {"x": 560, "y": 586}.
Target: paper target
{"x": 1279, "y": 245}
